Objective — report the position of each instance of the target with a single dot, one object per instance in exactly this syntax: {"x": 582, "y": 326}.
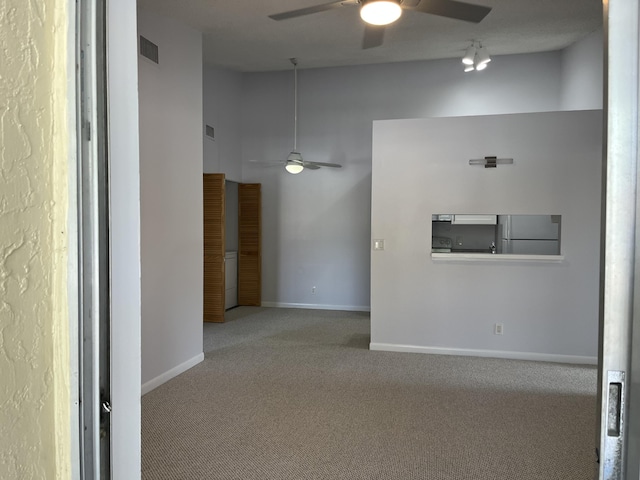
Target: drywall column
{"x": 171, "y": 199}
{"x": 124, "y": 239}
{"x": 35, "y": 436}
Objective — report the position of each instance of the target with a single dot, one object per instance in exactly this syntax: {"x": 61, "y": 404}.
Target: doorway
{"x": 232, "y": 229}
{"x": 133, "y": 16}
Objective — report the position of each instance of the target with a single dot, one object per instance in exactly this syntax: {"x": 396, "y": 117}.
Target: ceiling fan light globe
{"x": 380, "y": 12}
{"x": 293, "y": 168}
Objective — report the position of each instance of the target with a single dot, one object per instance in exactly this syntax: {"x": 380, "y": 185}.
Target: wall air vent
{"x": 149, "y": 50}
{"x": 209, "y": 131}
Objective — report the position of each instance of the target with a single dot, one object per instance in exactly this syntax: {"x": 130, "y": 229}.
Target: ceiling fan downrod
{"x": 294, "y": 61}
{"x": 295, "y": 164}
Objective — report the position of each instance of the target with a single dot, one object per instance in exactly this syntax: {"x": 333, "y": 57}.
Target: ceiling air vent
{"x": 148, "y": 49}
{"x": 209, "y": 131}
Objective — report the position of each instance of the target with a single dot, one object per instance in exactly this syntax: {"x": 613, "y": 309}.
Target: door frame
{"x": 619, "y": 306}
{"x": 92, "y": 220}
{"x": 125, "y": 254}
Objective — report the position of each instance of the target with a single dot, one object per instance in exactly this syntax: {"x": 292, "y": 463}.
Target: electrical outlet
{"x": 378, "y": 244}
{"x": 498, "y": 329}
{"x": 313, "y": 290}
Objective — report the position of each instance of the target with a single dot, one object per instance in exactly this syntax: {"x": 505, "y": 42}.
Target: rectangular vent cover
{"x": 149, "y": 50}
{"x": 209, "y": 131}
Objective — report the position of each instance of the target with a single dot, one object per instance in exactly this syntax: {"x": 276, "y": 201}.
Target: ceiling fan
{"x": 378, "y": 13}
{"x": 295, "y": 163}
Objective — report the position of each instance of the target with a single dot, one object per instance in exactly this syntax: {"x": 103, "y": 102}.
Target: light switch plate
{"x": 378, "y": 244}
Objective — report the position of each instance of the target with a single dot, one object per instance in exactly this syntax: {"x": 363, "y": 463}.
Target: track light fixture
{"x": 475, "y": 58}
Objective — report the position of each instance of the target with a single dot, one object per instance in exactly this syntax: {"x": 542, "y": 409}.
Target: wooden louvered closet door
{"x": 214, "y": 246}
{"x": 249, "y": 244}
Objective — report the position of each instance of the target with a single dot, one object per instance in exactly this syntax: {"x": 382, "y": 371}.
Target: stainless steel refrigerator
{"x": 529, "y": 234}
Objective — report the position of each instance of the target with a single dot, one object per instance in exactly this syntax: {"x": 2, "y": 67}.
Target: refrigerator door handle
{"x": 507, "y": 228}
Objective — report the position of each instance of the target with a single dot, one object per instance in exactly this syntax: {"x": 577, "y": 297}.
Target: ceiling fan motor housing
{"x": 295, "y": 157}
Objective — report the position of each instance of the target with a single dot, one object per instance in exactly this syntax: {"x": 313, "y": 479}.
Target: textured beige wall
{"x": 34, "y": 353}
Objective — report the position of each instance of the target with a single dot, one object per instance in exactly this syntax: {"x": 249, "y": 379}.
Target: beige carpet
{"x": 295, "y": 394}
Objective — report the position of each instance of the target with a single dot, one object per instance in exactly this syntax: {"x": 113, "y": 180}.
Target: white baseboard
{"x": 174, "y": 372}
{"x": 537, "y": 357}
{"x": 313, "y": 306}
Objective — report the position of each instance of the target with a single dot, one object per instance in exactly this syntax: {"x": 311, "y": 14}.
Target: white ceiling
{"x": 239, "y": 35}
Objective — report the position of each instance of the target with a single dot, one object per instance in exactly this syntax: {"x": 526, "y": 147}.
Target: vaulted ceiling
{"x": 239, "y": 35}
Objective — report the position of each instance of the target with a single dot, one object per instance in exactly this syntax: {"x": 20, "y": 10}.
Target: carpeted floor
{"x": 288, "y": 394}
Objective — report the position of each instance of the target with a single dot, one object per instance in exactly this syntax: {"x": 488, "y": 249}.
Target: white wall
{"x": 171, "y": 199}
{"x": 222, "y": 91}
{"x": 316, "y": 225}
{"x": 582, "y": 73}
{"x": 420, "y": 167}
{"x": 125, "y": 239}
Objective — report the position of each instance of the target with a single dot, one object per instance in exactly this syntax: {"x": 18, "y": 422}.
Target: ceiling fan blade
{"x": 267, "y": 163}
{"x": 322, "y": 164}
{"x": 311, "y": 166}
{"x": 453, "y": 9}
{"x": 373, "y": 36}
{"x": 323, "y": 7}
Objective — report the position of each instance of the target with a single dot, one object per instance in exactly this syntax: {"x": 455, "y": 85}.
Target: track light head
{"x": 482, "y": 57}
{"x": 469, "y": 55}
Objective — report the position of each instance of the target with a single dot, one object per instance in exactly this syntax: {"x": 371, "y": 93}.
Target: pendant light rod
{"x": 294, "y": 61}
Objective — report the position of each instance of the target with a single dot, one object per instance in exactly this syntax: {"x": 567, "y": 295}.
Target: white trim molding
{"x": 537, "y": 357}
{"x": 498, "y": 258}
{"x": 169, "y": 374}
{"x": 313, "y": 306}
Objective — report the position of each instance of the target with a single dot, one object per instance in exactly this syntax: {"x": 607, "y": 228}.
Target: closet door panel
{"x": 249, "y": 244}
{"x": 214, "y": 247}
